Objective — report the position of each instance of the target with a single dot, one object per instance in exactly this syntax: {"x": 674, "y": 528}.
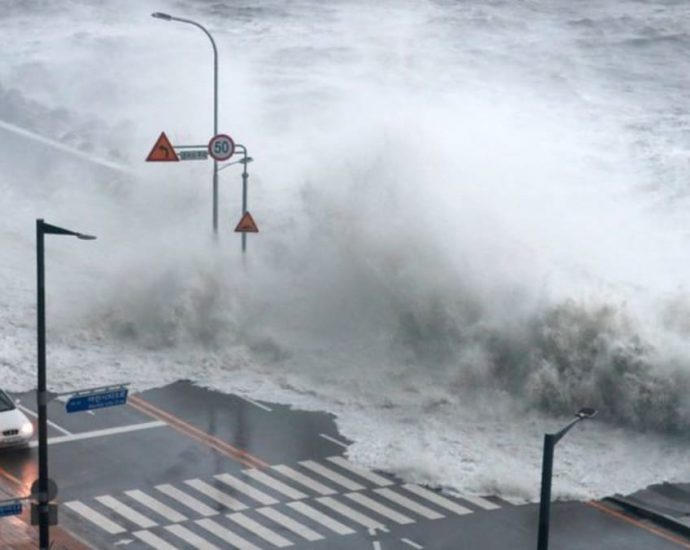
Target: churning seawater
{"x": 473, "y": 222}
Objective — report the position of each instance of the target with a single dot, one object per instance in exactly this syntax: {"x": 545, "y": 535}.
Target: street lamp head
{"x": 247, "y": 160}
{"x": 163, "y": 16}
{"x": 586, "y": 412}
{"x": 84, "y": 237}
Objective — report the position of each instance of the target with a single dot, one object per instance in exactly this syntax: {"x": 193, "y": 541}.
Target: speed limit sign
{"x": 221, "y": 147}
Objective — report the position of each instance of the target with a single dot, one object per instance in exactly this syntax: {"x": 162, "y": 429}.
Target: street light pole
{"x": 41, "y": 390}
{"x": 550, "y": 441}
{"x": 245, "y": 178}
{"x": 166, "y": 17}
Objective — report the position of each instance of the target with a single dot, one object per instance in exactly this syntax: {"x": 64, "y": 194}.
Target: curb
{"x": 666, "y": 521}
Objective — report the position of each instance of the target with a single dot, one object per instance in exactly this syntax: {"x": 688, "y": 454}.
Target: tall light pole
{"x": 166, "y": 17}
{"x": 42, "y": 229}
{"x": 550, "y": 441}
{"x": 245, "y": 177}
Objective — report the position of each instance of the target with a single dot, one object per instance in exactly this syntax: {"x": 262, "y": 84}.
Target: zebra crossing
{"x": 278, "y": 507}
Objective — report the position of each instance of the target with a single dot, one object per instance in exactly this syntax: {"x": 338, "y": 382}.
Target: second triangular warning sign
{"x": 163, "y": 151}
{"x": 247, "y": 225}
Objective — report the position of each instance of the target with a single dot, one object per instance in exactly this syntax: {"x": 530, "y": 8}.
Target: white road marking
{"x": 195, "y": 540}
{"x": 101, "y": 433}
{"x": 187, "y": 500}
{"x": 259, "y": 530}
{"x": 157, "y": 506}
{"x": 367, "y": 502}
{"x": 481, "y": 502}
{"x": 225, "y": 534}
{"x": 333, "y": 476}
{"x": 437, "y": 499}
{"x": 255, "y": 403}
{"x": 348, "y": 512}
{"x": 412, "y": 544}
{"x": 248, "y": 490}
{"x": 216, "y": 494}
{"x": 124, "y": 542}
{"x": 377, "y": 545}
{"x": 515, "y": 501}
{"x": 95, "y": 517}
{"x": 126, "y": 512}
{"x": 361, "y": 472}
{"x": 303, "y": 480}
{"x": 334, "y": 440}
{"x": 274, "y": 484}
{"x": 153, "y": 541}
{"x": 321, "y": 518}
{"x": 409, "y": 504}
{"x": 289, "y": 523}
{"x": 50, "y": 422}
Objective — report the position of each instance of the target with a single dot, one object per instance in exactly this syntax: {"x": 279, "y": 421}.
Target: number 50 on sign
{"x": 221, "y": 147}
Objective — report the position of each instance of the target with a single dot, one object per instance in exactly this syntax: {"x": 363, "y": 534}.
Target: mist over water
{"x": 472, "y": 223}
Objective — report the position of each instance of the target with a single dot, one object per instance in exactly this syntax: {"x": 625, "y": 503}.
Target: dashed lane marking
{"x": 225, "y": 534}
{"x": 255, "y": 403}
{"x": 195, "y": 540}
{"x": 334, "y": 440}
{"x": 189, "y": 501}
{"x": 320, "y": 517}
{"x": 409, "y": 504}
{"x": 126, "y": 512}
{"x": 289, "y": 523}
{"x": 361, "y": 472}
{"x": 333, "y": 476}
{"x": 259, "y": 530}
{"x": 95, "y": 517}
{"x": 437, "y": 499}
{"x": 216, "y": 494}
{"x": 274, "y": 484}
{"x": 303, "y": 480}
{"x": 168, "y": 513}
{"x": 412, "y": 543}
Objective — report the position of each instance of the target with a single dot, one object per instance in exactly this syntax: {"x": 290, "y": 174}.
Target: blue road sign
{"x": 13, "y": 508}
{"x": 97, "y": 400}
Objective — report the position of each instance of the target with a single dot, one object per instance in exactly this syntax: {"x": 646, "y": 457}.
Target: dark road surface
{"x": 184, "y": 467}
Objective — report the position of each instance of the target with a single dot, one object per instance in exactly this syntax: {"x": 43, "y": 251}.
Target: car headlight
{"x": 27, "y": 429}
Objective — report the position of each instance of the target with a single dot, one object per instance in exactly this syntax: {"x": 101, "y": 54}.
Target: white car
{"x": 15, "y": 427}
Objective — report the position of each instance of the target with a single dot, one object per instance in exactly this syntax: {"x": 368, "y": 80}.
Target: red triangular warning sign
{"x": 163, "y": 151}
{"x": 247, "y": 225}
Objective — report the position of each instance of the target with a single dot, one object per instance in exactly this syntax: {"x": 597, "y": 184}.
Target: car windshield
{"x": 5, "y": 402}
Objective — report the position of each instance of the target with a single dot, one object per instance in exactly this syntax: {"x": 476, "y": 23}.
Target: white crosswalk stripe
{"x": 320, "y": 517}
{"x": 216, "y": 494}
{"x": 126, "y": 512}
{"x": 259, "y": 530}
{"x": 157, "y": 506}
{"x": 409, "y": 504}
{"x": 481, "y": 502}
{"x": 154, "y": 541}
{"x": 95, "y": 517}
{"x": 361, "y": 472}
{"x": 379, "y": 508}
{"x": 303, "y": 480}
{"x": 191, "y": 538}
{"x": 348, "y": 512}
{"x": 188, "y": 500}
{"x": 248, "y": 490}
{"x": 437, "y": 499}
{"x": 289, "y": 523}
{"x": 226, "y": 535}
{"x": 333, "y": 476}
{"x": 274, "y": 484}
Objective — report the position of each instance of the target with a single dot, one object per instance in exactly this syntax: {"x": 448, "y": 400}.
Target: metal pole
{"x": 545, "y": 501}
{"x": 41, "y": 395}
{"x": 245, "y": 177}
{"x": 215, "y": 111}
